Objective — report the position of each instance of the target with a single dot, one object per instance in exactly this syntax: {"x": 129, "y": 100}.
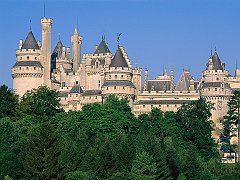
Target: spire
{"x": 30, "y": 42}
{"x": 217, "y": 65}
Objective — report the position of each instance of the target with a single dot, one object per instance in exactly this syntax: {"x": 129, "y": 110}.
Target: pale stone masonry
{"x": 96, "y": 75}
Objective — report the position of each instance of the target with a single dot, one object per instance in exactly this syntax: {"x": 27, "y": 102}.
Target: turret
{"x": 76, "y": 49}
{"x": 46, "y": 49}
{"x": 118, "y": 77}
{"x": 27, "y": 73}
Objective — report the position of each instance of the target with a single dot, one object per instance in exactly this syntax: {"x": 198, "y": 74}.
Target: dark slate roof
{"x": 164, "y": 101}
{"x": 91, "y": 92}
{"x": 58, "y": 47}
{"x": 102, "y": 48}
{"x": 215, "y": 84}
{"x": 118, "y": 83}
{"x": 216, "y": 62}
{"x": 102, "y": 62}
{"x": 184, "y": 82}
{"x": 155, "y": 85}
{"x": 28, "y": 63}
{"x": 62, "y": 94}
{"x": 30, "y": 42}
{"x": 118, "y": 59}
{"x": 76, "y": 89}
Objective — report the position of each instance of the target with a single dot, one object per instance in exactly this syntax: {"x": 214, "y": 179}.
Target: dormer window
{"x": 21, "y": 58}
{"x": 27, "y": 68}
{"x": 35, "y": 58}
{"x": 97, "y": 64}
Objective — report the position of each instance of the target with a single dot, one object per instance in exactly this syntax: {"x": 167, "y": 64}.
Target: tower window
{"x": 27, "y": 68}
{"x": 76, "y": 82}
{"x": 109, "y": 76}
{"x": 20, "y": 68}
{"x": 35, "y": 58}
{"x": 34, "y": 68}
{"x": 122, "y": 76}
{"x": 27, "y": 57}
{"x": 20, "y": 58}
{"x": 115, "y": 87}
{"x": 115, "y": 76}
{"x": 99, "y": 83}
{"x": 215, "y": 89}
{"x": 96, "y": 64}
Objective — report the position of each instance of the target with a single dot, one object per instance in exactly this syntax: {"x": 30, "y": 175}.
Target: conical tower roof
{"x": 30, "y": 42}
{"x": 217, "y": 65}
{"x": 118, "y": 59}
{"x": 102, "y": 48}
{"x": 58, "y": 47}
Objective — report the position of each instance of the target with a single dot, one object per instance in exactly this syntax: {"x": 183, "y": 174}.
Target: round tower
{"x": 27, "y": 73}
{"x": 215, "y": 88}
{"x": 118, "y": 77}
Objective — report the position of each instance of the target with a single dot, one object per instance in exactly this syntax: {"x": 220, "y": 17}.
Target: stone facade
{"x": 90, "y": 78}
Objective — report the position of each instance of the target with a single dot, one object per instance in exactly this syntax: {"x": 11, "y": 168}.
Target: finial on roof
{"x": 75, "y": 30}
{"x": 59, "y": 39}
{"x": 118, "y": 38}
{"x": 215, "y": 49}
{"x": 211, "y": 51}
{"x": 44, "y": 9}
{"x": 103, "y": 37}
{"x": 30, "y": 25}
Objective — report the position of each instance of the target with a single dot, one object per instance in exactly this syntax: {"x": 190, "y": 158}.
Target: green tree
{"x": 41, "y": 160}
{"x": 8, "y": 102}
{"x": 196, "y": 126}
{"x": 231, "y": 122}
{"x": 40, "y": 102}
{"x": 143, "y": 166}
{"x": 9, "y": 161}
{"x": 77, "y": 175}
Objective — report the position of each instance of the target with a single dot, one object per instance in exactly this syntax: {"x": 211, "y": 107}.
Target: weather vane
{"x": 118, "y": 37}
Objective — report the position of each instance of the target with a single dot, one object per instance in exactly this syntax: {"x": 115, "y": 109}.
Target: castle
{"x": 90, "y": 78}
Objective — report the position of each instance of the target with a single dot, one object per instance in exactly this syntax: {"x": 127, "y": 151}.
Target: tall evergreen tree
{"x": 231, "y": 122}
{"x": 144, "y": 166}
{"x": 196, "y": 126}
{"x": 41, "y": 160}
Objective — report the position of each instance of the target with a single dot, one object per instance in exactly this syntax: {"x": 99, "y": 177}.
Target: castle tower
{"x": 46, "y": 49}
{"x": 137, "y": 78}
{"x": 118, "y": 77}
{"x": 76, "y": 49}
{"x": 214, "y": 87}
{"x": 27, "y": 73}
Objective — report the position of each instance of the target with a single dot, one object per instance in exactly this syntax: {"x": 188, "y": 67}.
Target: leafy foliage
{"x": 8, "y": 102}
{"x": 40, "y": 102}
{"x": 106, "y": 141}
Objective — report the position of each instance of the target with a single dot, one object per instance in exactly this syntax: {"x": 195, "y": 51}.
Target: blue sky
{"x": 174, "y": 34}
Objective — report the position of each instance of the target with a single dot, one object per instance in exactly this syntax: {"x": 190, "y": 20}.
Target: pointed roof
{"x": 30, "y": 42}
{"x": 102, "y": 48}
{"x": 118, "y": 59}
{"x": 217, "y": 65}
{"x": 184, "y": 82}
{"x": 58, "y": 47}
